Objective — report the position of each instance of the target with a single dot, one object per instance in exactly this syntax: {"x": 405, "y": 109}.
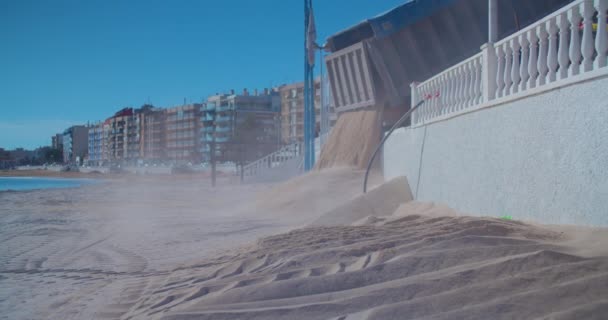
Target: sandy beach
{"x": 157, "y": 248}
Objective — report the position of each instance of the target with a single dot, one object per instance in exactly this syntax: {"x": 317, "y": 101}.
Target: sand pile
{"x": 303, "y": 199}
{"x": 406, "y": 266}
{"x": 352, "y": 140}
{"x": 420, "y": 261}
{"x": 378, "y": 202}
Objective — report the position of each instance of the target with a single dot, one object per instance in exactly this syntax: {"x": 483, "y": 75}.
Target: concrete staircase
{"x": 282, "y": 164}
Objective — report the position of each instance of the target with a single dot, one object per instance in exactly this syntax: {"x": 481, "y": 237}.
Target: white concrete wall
{"x": 541, "y": 158}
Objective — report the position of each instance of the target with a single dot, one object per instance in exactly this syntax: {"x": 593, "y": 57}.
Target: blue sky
{"x": 67, "y": 62}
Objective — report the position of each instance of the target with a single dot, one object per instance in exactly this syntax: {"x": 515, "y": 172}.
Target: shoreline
{"x": 41, "y": 173}
{"x": 49, "y": 174}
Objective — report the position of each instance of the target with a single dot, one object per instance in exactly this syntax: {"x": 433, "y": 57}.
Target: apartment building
{"x": 57, "y": 141}
{"x": 75, "y": 144}
{"x": 182, "y": 133}
{"x": 96, "y": 145}
{"x": 152, "y": 134}
{"x": 123, "y": 137}
{"x": 228, "y": 118}
{"x": 292, "y": 111}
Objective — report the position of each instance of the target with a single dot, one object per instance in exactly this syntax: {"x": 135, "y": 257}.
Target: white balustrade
{"x": 566, "y": 43}
{"x": 569, "y": 42}
{"x": 457, "y": 88}
{"x": 553, "y": 48}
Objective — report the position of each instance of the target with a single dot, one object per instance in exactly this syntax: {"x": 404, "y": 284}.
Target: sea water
{"x": 33, "y": 183}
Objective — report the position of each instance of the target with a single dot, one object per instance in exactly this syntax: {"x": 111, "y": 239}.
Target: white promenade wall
{"x": 542, "y": 157}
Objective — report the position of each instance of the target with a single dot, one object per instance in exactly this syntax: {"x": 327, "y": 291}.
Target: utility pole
{"x": 212, "y": 158}
{"x": 309, "y": 87}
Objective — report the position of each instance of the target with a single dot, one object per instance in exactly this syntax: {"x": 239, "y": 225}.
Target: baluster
{"x": 601, "y": 38}
{"x": 427, "y": 111}
{"x": 466, "y": 73}
{"x": 474, "y": 83}
{"x": 471, "y": 88}
{"x": 552, "y": 62}
{"x": 461, "y": 89}
{"x": 449, "y": 94}
{"x": 587, "y": 46}
{"x": 541, "y": 33}
{"x": 443, "y": 90}
{"x": 508, "y": 57}
{"x": 429, "y": 90}
{"x": 456, "y": 87}
{"x": 575, "y": 41}
{"x": 454, "y": 91}
{"x": 478, "y": 81}
{"x": 429, "y": 103}
{"x": 429, "y": 93}
{"x": 515, "y": 69}
{"x": 432, "y": 88}
{"x": 443, "y": 94}
{"x": 562, "y": 53}
{"x": 420, "y": 97}
{"x": 438, "y": 86}
{"x": 425, "y": 90}
{"x": 500, "y": 67}
{"x": 414, "y": 100}
{"x": 523, "y": 70}
{"x": 462, "y": 79}
{"x": 422, "y": 91}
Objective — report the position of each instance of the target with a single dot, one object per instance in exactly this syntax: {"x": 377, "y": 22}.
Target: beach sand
{"x": 311, "y": 248}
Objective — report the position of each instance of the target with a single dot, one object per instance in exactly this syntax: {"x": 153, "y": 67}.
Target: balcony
{"x": 223, "y": 129}
{"x": 223, "y": 118}
{"x": 207, "y": 117}
{"x": 210, "y": 107}
{"x": 208, "y": 129}
{"x": 223, "y": 108}
{"x": 222, "y": 139}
